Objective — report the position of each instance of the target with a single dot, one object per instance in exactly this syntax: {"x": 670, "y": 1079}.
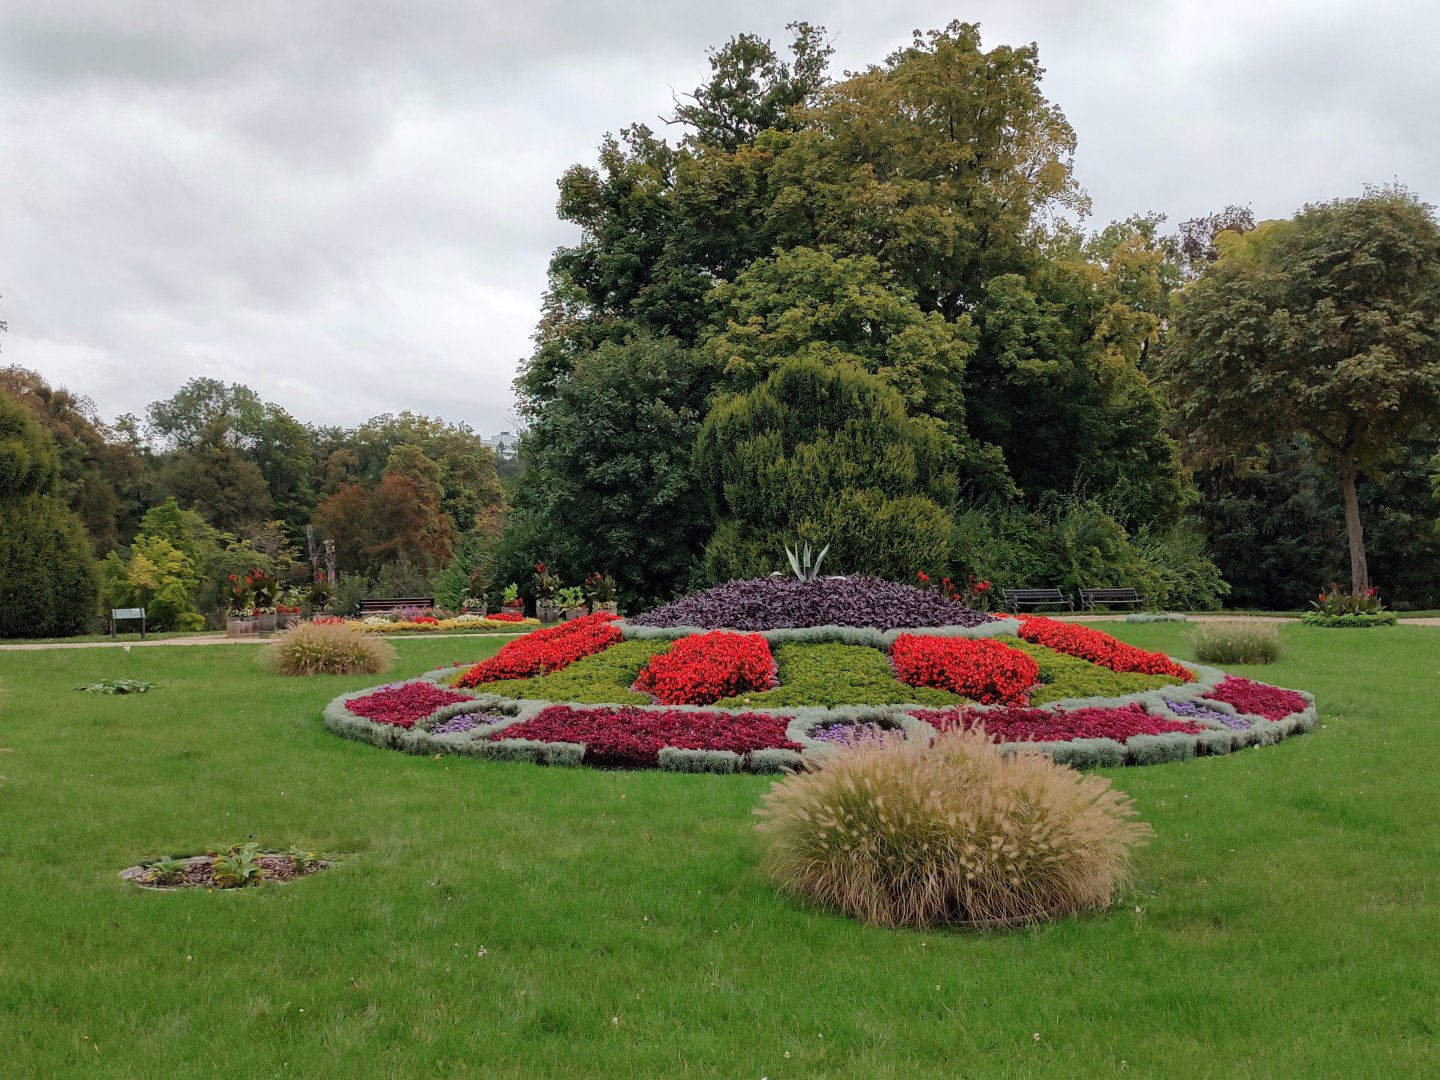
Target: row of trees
{"x": 855, "y": 311}
{"x": 215, "y": 480}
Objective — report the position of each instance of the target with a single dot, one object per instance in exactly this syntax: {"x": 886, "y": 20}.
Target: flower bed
{"x": 771, "y": 604}
{"x": 1008, "y": 724}
{"x": 602, "y": 691}
{"x": 1098, "y": 648}
{"x": 378, "y": 624}
{"x": 403, "y": 704}
{"x": 633, "y": 737}
{"x": 541, "y": 651}
{"x": 1248, "y": 696}
{"x": 981, "y": 669}
{"x": 702, "y": 669}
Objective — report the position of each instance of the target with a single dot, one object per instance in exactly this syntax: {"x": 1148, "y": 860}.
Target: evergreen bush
{"x": 48, "y": 585}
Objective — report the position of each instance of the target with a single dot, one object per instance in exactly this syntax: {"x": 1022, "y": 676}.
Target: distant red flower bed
{"x": 1098, "y": 648}
{"x": 546, "y": 650}
{"x": 507, "y": 616}
{"x": 634, "y": 737}
{"x": 403, "y": 704}
{"x": 977, "y": 668}
{"x": 704, "y": 668}
{"x": 1058, "y": 725}
{"x": 1255, "y": 698}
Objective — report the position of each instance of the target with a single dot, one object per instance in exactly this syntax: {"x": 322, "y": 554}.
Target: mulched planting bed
{"x": 199, "y": 873}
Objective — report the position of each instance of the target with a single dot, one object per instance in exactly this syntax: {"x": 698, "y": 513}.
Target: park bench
{"x": 1110, "y": 597}
{"x": 382, "y": 605}
{"x": 1015, "y": 599}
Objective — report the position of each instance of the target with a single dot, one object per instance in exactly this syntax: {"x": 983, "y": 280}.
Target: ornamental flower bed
{"x": 633, "y": 738}
{"x": 771, "y": 604}
{"x": 1098, "y": 648}
{"x": 402, "y": 704}
{"x": 1201, "y": 712}
{"x": 977, "y": 668}
{"x": 546, "y": 650}
{"x": 1058, "y": 725}
{"x": 1248, "y": 696}
{"x": 702, "y": 669}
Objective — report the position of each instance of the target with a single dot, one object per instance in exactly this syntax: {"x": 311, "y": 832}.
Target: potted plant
{"x": 600, "y": 593}
{"x": 287, "y": 608}
{"x": 266, "y": 590}
{"x": 547, "y": 591}
{"x": 510, "y": 602}
{"x": 572, "y": 602}
{"x": 239, "y": 604}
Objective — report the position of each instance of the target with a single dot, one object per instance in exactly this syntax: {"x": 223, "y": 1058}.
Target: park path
{"x": 221, "y": 639}
{"x": 199, "y": 639}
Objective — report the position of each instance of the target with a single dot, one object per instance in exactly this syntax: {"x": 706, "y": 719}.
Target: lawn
{"x": 505, "y": 920}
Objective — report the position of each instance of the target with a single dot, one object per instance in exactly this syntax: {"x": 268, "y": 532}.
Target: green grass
{"x": 1284, "y": 922}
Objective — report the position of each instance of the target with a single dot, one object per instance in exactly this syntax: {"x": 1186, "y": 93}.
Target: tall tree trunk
{"x": 1359, "y": 571}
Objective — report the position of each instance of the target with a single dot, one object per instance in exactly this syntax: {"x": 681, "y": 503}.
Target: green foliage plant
{"x": 1063, "y": 676}
{"x": 802, "y": 565}
{"x": 116, "y": 686}
{"x": 327, "y": 649}
{"x": 1237, "y": 641}
{"x": 913, "y": 833}
{"x": 237, "y": 866}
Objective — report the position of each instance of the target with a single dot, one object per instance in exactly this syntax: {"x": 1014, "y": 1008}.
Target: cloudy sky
{"x": 349, "y": 206}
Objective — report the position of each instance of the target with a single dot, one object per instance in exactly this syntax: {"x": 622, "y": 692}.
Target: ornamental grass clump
{"x": 1237, "y": 642}
{"x": 905, "y": 833}
{"x": 315, "y": 649}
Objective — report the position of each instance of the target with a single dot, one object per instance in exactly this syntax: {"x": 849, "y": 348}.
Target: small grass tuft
{"x": 1237, "y": 642}
{"x": 320, "y": 649}
{"x": 902, "y": 833}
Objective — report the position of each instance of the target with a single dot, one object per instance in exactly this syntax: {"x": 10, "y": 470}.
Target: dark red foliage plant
{"x": 402, "y": 704}
{"x": 1257, "y": 699}
{"x": 1057, "y": 725}
{"x": 633, "y": 737}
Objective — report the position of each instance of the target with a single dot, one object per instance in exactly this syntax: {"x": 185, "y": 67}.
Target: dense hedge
{"x": 48, "y": 586}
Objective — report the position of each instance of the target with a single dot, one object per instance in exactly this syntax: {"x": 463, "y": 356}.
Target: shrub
{"x": 312, "y": 649}
{"x": 981, "y": 669}
{"x": 901, "y": 833}
{"x": 1236, "y": 642}
{"x": 1355, "y": 620}
{"x": 48, "y": 585}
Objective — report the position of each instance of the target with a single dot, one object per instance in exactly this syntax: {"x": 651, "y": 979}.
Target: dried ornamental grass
{"x": 901, "y": 833}
{"x": 1237, "y": 642}
{"x": 317, "y": 649}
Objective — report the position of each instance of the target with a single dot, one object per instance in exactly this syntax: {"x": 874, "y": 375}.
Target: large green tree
{"x": 1326, "y": 325}
{"x": 825, "y": 453}
{"x": 48, "y": 584}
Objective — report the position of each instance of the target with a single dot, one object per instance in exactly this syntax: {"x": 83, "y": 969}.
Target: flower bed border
{"x": 1216, "y": 739}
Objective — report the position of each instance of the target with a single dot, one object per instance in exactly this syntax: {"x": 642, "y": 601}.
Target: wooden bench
{"x": 381, "y": 605}
{"x": 1015, "y": 599}
{"x": 1090, "y": 597}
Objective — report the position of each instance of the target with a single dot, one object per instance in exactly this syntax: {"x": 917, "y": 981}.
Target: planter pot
{"x": 266, "y": 623}
{"x": 240, "y": 627}
{"x": 612, "y": 607}
{"x": 482, "y": 610}
{"x": 515, "y": 607}
{"x": 285, "y": 620}
{"x": 547, "y": 613}
{"x": 573, "y": 613}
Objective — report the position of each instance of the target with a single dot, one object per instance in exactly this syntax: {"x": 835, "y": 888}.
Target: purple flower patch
{"x": 843, "y": 734}
{"x": 464, "y": 722}
{"x": 1192, "y": 708}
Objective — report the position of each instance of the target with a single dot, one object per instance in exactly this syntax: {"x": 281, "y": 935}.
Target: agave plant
{"x": 804, "y": 563}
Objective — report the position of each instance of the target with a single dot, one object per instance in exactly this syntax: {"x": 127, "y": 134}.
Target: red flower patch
{"x": 507, "y": 616}
{"x": 1257, "y": 699}
{"x": 704, "y": 668}
{"x": 403, "y": 704}
{"x": 1098, "y": 648}
{"x": 546, "y": 650}
{"x": 1058, "y": 725}
{"x": 981, "y": 669}
{"x": 634, "y": 737}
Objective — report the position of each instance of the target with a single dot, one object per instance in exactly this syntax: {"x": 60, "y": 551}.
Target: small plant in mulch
{"x": 234, "y": 867}
{"x": 115, "y": 686}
